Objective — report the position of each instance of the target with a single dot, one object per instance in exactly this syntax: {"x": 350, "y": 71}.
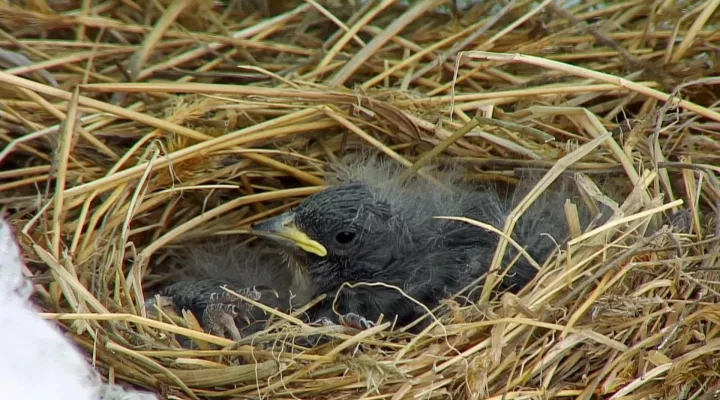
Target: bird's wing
{"x": 230, "y": 260}
{"x": 207, "y": 267}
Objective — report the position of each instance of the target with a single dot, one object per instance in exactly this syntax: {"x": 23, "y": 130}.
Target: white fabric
{"x": 36, "y": 361}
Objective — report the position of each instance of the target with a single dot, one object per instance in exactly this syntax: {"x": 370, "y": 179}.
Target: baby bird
{"x": 257, "y": 272}
{"x": 372, "y": 243}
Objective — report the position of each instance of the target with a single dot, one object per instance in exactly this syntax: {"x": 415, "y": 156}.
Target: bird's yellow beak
{"x": 284, "y": 226}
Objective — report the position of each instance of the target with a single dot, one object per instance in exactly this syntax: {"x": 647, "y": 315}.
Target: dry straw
{"x": 129, "y": 127}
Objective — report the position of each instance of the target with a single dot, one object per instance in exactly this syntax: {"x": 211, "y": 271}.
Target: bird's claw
{"x": 219, "y": 320}
{"x": 219, "y": 317}
{"x": 324, "y": 321}
{"x": 356, "y": 321}
{"x": 350, "y": 320}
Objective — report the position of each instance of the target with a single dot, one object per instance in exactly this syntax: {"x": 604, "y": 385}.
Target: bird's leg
{"x": 224, "y": 307}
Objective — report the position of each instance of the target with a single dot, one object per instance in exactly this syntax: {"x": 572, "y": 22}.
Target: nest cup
{"x": 134, "y": 129}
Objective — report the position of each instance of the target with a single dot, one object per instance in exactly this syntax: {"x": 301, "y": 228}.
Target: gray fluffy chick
{"x": 372, "y": 226}
{"x": 258, "y": 272}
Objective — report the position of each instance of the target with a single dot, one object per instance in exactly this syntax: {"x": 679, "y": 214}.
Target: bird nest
{"x": 131, "y": 127}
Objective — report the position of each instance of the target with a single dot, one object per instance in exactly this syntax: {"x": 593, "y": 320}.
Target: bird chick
{"x": 257, "y": 272}
{"x": 378, "y": 232}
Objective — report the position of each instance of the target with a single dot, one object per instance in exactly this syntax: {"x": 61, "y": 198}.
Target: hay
{"x": 130, "y": 127}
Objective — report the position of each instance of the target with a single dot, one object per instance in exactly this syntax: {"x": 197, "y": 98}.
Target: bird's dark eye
{"x": 345, "y": 237}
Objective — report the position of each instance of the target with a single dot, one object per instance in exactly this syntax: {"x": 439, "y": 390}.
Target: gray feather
{"x": 206, "y": 267}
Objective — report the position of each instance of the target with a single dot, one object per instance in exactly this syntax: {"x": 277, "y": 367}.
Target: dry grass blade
{"x": 129, "y": 128}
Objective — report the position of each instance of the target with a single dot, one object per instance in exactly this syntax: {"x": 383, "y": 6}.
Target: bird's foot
{"x": 356, "y": 321}
{"x": 350, "y": 320}
{"x": 219, "y": 320}
{"x": 220, "y": 315}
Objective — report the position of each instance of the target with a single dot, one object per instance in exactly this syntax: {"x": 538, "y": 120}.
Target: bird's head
{"x": 335, "y": 228}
